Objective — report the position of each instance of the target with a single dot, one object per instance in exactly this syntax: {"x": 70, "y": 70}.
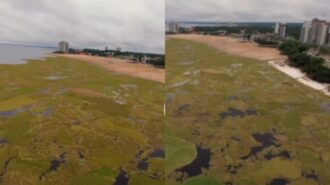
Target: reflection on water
{"x": 18, "y": 54}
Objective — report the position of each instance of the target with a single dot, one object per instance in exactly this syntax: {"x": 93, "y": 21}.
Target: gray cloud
{"x": 247, "y": 10}
{"x": 130, "y": 24}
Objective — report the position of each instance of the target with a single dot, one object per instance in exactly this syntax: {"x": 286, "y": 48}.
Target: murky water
{"x": 266, "y": 140}
{"x": 279, "y": 181}
{"x": 232, "y": 112}
{"x": 18, "y": 54}
{"x": 14, "y": 112}
{"x": 325, "y": 106}
{"x": 122, "y": 178}
{"x": 202, "y": 161}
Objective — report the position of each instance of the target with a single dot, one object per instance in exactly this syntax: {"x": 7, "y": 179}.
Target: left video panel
{"x": 82, "y": 92}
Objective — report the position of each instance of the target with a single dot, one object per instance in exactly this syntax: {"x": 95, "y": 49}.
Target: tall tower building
{"x": 63, "y": 46}
{"x": 318, "y": 33}
{"x": 305, "y": 32}
{"x": 280, "y": 29}
{"x": 173, "y": 27}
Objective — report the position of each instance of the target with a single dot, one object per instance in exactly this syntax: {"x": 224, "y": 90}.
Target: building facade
{"x": 63, "y": 46}
{"x": 280, "y": 29}
{"x": 173, "y": 27}
{"x": 305, "y": 32}
{"x": 315, "y": 32}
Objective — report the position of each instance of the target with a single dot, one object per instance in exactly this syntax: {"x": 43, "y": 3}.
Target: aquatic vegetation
{"x": 260, "y": 126}
{"x": 62, "y": 121}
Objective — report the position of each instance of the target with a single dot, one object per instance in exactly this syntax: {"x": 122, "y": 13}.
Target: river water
{"x": 10, "y": 54}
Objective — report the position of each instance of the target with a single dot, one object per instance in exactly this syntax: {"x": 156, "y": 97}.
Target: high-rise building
{"x": 280, "y": 29}
{"x": 63, "y": 46}
{"x": 305, "y": 32}
{"x": 173, "y": 27}
{"x": 277, "y": 28}
{"x": 315, "y": 32}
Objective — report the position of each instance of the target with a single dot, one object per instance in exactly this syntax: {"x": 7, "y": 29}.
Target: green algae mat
{"x": 239, "y": 121}
{"x": 68, "y": 122}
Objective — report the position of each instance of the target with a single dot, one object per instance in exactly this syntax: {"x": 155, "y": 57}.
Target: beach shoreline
{"x": 122, "y": 66}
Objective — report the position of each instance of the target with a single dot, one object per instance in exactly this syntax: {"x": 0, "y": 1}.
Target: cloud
{"x": 247, "y": 10}
{"x": 136, "y": 25}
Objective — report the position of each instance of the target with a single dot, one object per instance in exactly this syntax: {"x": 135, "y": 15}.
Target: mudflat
{"x": 123, "y": 66}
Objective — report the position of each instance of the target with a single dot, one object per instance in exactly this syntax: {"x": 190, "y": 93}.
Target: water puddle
{"x": 81, "y": 155}
{"x": 181, "y": 109}
{"x": 158, "y": 153}
{"x": 122, "y": 178}
{"x": 202, "y": 161}
{"x": 170, "y": 97}
{"x": 233, "y": 169}
{"x": 3, "y": 141}
{"x": 232, "y": 112}
{"x": 325, "y": 106}
{"x": 55, "y": 164}
{"x": 48, "y": 112}
{"x": 312, "y": 175}
{"x": 14, "y": 112}
{"x": 284, "y": 154}
{"x": 279, "y": 181}
{"x": 143, "y": 165}
{"x": 266, "y": 140}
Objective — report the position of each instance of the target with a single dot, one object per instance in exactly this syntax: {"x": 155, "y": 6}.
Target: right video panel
{"x": 248, "y": 96}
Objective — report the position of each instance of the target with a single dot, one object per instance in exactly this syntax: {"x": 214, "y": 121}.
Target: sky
{"x": 247, "y": 10}
{"x": 132, "y": 25}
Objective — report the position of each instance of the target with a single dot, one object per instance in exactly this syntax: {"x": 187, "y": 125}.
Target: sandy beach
{"x": 273, "y": 56}
{"x": 234, "y": 46}
{"x": 123, "y": 66}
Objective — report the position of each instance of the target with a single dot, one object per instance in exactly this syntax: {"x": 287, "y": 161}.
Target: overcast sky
{"x": 136, "y": 25}
{"x": 247, "y": 10}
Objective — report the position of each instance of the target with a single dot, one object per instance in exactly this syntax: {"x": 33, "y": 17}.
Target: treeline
{"x": 157, "y": 61}
{"x": 153, "y": 59}
{"x": 292, "y": 29}
{"x": 235, "y": 29}
{"x": 313, "y": 66}
{"x": 269, "y": 43}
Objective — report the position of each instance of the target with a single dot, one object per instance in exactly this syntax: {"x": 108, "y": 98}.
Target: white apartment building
{"x": 315, "y": 32}
{"x": 63, "y": 46}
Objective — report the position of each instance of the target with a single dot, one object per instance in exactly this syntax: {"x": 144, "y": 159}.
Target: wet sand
{"x": 273, "y": 56}
{"x": 123, "y": 67}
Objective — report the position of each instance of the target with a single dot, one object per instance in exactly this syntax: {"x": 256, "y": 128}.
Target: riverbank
{"x": 121, "y": 66}
{"x": 273, "y": 56}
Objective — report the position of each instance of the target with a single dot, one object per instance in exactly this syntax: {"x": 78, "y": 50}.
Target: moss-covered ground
{"x": 261, "y": 126}
{"x": 72, "y": 123}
